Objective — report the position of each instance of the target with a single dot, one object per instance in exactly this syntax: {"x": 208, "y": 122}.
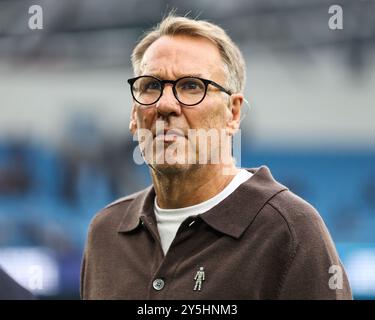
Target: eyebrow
{"x": 159, "y": 76}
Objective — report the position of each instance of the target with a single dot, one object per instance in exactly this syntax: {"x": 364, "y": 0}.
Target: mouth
{"x": 169, "y": 135}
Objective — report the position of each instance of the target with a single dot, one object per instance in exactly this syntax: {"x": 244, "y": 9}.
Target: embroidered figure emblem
{"x": 199, "y": 277}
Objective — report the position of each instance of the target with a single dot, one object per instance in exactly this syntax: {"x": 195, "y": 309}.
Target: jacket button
{"x": 158, "y": 284}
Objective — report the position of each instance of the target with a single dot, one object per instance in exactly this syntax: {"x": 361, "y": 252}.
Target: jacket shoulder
{"x": 302, "y": 218}
{"x": 308, "y": 275}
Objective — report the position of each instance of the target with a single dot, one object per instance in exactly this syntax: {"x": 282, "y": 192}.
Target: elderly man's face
{"x": 172, "y": 58}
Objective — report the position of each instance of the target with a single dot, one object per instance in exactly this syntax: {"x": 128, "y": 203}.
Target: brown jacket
{"x": 261, "y": 242}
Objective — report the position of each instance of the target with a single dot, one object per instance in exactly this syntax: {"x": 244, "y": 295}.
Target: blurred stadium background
{"x": 65, "y": 149}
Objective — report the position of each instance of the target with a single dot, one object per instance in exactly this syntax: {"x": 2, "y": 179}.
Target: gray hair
{"x": 234, "y": 64}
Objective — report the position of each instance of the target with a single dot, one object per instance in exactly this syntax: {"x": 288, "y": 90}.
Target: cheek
{"x": 145, "y": 118}
{"x": 213, "y": 116}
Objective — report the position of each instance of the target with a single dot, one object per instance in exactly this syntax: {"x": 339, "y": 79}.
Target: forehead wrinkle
{"x": 167, "y": 59}
{"x": 176, "y": 71}
{"x": 164, "y": 68}
{"x": 164, "y": 75}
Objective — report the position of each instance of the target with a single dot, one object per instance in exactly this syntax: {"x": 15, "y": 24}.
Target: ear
{"x": 133, "y": 121}
{"x": 233, "y": 123}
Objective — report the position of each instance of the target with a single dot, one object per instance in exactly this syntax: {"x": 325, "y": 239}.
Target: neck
{"x": 183, "y": 188}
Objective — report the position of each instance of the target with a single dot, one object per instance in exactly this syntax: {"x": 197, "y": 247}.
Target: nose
{"x": 168, "y": 104}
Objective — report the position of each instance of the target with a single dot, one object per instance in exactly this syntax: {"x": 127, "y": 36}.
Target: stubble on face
{"x": 172, "y": 58}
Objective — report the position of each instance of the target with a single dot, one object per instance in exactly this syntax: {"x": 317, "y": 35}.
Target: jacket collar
{"x": 142, "y": 206}
{"x": 227, "y": 217}
{"x": 233, "y": 219}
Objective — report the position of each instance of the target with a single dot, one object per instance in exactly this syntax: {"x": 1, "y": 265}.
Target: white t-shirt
{"x": 169, "y": 220}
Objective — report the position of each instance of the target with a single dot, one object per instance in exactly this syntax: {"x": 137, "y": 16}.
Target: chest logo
{"x": 199, "y": 278}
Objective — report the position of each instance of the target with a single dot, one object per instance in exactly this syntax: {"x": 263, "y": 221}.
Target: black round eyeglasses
{"x": 189, "y": 91}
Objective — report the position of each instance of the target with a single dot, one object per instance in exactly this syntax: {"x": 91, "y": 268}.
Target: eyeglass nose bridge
{"x": 173, "y": 83}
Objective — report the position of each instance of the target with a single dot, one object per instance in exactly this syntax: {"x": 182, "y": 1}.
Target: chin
{"x": 169, "y": 169}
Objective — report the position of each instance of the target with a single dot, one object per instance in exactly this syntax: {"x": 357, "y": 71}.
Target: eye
{"x": 191, "y": 85}
{"x": 151, "y": 85}
{"x": 147, "y": 85}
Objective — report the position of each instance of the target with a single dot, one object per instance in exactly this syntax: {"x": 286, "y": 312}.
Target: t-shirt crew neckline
{"x": 169, "y": 220}
{"x": 242, "y": 176}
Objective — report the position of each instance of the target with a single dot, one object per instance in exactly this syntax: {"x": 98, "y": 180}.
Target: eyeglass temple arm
{"x": 220, "y": 87}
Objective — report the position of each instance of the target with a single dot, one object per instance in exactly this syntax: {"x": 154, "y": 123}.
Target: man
{"x": 205, "y": 229}
{"x": 11, "y": 290}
